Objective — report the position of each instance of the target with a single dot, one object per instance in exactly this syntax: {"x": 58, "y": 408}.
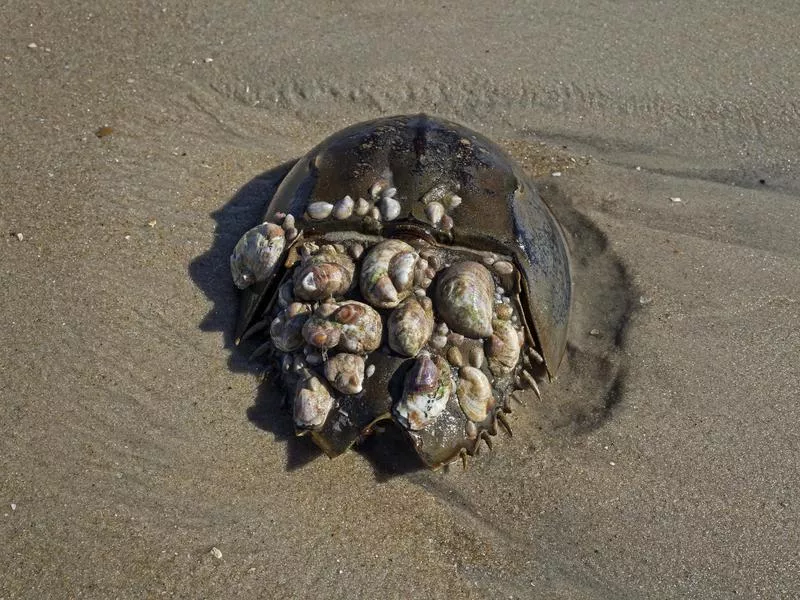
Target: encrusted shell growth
{"x": 503, "y": 348}
{"x": 410, "y": 325}
{"x": 326, "y": 274}
{"x": 474, "y": 393}
{"x": 426, "y": 390}
{"x": 388, "y": 272}
{"x": 405, "y": 269}
{"x": 286, "y": 330}
{"x": 257, "y": 254}
{"x": 313, "y": 402}
{"x": 353, "y": 326}
{"x": 465, "y": 298}
{"x": 345, "y": 372}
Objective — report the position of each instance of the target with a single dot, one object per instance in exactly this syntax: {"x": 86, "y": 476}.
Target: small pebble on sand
{"x": 216, "y": 553}
{"x": 676, "y": 199}
{"x": 32, "y": 46}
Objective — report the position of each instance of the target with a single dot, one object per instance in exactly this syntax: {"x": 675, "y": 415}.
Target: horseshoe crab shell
{"x": 439, "y": 194}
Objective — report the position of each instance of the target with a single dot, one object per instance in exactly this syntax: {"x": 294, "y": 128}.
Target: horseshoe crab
{"x": 405, "y": 269}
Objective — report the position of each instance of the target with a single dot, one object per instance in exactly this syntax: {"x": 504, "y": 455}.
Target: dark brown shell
{"x": 458, "y": 200}
{"x": 500, "y": 209}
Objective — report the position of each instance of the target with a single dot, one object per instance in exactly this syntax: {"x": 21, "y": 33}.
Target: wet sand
{"x": 135, "y": 439}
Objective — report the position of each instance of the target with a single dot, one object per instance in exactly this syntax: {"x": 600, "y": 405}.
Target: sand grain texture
{"x": 134, "y": 441}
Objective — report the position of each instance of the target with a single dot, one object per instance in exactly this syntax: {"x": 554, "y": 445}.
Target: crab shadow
{"x": 387, "y": 452}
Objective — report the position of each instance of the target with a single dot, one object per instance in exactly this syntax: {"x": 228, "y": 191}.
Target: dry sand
{"x": 663, "y": 463}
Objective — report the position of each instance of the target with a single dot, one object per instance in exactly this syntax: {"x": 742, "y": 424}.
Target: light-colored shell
{"x": 387, "y": 273}
{"x": 454, "y": 357}
{"x": 426, "y": 390}
{"x": 410, "y": 325}
{"x": 313, "y": 402}
{"x": 345, "y": 372}
{"x": 343, "y": 208}
{"x": 465, "y": 297}
{"x": 352, "y": 325}
{"x": 474, "y": 393}
{"x": 434, "y": 211}
{"x": 390, "y": 208}
{"x": 503, "y": 348}
{"x": 319, "y": 210}
{"x": 257, "y": 254}
{"x": 286, "y": 330}
{"x": 326, "y": 274}
{"x": 362, "y": 207}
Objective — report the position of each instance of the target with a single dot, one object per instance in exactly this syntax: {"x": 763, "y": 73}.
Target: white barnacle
{"x": 434, "y": 211}
{"x": 343, "y": 208}
{"x": 376, "y": 189}
{"x": 345, "y": 372}
{"x": 362, "y": 207}
{"x": 390, "y": 208}
{"x": 319, "y": 210}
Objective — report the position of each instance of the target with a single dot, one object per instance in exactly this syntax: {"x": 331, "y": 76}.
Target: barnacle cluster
{"x": 438, "y": 329}
{"x": 405, "y": 270}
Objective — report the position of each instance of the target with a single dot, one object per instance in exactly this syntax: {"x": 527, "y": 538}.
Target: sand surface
{"x": 134, "y": 439}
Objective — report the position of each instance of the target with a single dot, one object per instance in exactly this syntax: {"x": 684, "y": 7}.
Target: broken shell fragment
{"x": 345, "y": 372}
{"x": 474, "y": 393}
{"x": 312, "y": 403}
{"x": 465, "y": 297}
{"x": 426, "y": 390}
{"x": 410, "y": 325}
{"x": 257, "y": 254}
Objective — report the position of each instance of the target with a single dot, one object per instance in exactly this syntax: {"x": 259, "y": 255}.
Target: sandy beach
{"x": 141, "y": 456}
